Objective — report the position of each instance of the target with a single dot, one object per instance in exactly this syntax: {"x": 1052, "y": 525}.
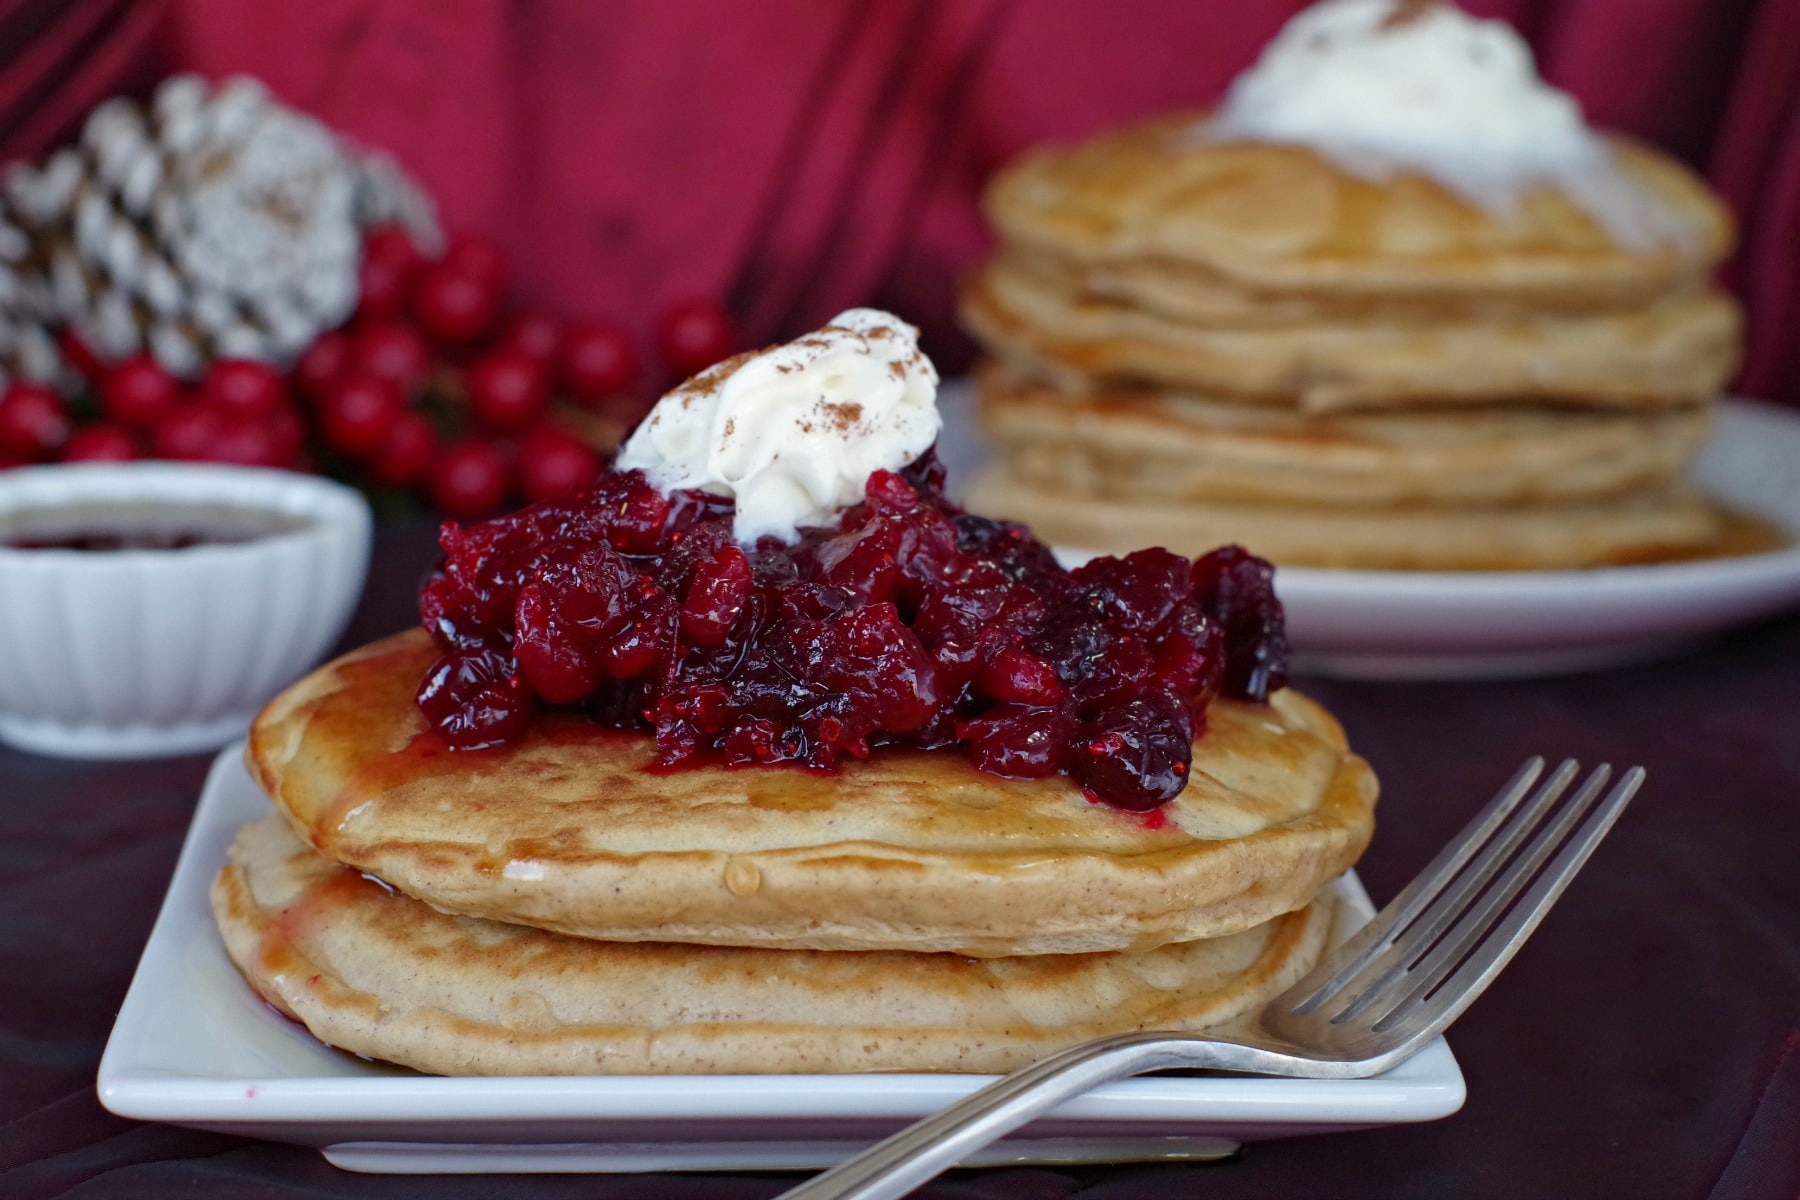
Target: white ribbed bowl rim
{"x": 329, "y": 552}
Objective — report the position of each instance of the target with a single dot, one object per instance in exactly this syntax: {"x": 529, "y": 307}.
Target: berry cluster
{"x": 909, "y": 622}
{"x": 432, "y": 387}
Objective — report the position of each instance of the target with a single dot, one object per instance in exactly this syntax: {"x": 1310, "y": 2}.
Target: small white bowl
{"x": 141, "y": 653}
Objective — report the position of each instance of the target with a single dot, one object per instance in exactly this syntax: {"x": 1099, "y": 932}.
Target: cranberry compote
{"x": 909, "y": 622}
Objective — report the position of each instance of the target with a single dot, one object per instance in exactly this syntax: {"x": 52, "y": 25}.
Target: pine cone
{"x": 27, "y": 351}
{"x": 213, "y": 222}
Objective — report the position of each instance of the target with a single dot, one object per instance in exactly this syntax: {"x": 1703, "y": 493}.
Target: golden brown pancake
{"x": 1650, "y": 525}
{"x": 567, "y": 829}
{"x": 1176, "y": 448}
{"x": 1200, "y": 340}
{"x": 1162, "y": 199}
{"x": 1180, "y": 292}
{"x": 1677, "y": 350}
{"x": 380, "y": 974}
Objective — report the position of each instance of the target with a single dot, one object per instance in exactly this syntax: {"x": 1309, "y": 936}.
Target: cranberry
{"x": 559, "y": 663}
{"x": 186, "y": 435}
{"x": 34, "y": 421}
{"x": 638, "y": 521}
{"x": 477, "y": 257}
{"x": 391, "y": 243}
{"x": 507, "y": 391}
{"x": 716, "y": 596}
{"x": 554, "y": 463}
{"x": 474, "y": 700}
{"x": 356, "y": 413}
{"x": 393, "y": 352}
{"x": 906, "y": 622}
{"x": 1136, "y": 753}
{"x": 324, "y": 361}
{"x": 100, "y": 443}
{"x": 244, "y": 387}
{"x": 597, "y": 361}
{"x": 1237, "y": 589}
{"x": 1019, "y": 741}
{"x": 587, "y": 618}
{"x": 390, "y": 263}
{"x": 287, "y": 434}
{"x": 383, "y": 288}
{"x": 536, "y": 337}
{"x": 693, "y": 335}
{"x": 876, "y": 667}
{"x": 862, "y": 564}
{"x": 470, "y": 478}
{"x": 1013, "y": 675}
{"x": 1190, "y": 657}
{"x": 405, "y": 455}
{"x": 1137, "y": 592}
{"x": 1008, "y": 545}
{"x": 455, "y": 306}
{"x": 244, "y": 441}
{"x": 138, "y": 392}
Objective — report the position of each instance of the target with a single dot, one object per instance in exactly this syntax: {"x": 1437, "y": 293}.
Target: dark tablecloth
{"x": 1646, "y": 1042}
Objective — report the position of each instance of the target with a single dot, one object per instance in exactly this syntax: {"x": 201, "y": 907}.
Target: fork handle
{"x": 898, "y": 1164}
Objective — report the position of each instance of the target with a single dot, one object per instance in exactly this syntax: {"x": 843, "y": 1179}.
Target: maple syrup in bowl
{"x": 149, "y": 609}
{"x": 115, "y": 528}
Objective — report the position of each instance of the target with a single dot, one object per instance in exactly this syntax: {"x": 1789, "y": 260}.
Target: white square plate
{"x": 195, "y": 1046}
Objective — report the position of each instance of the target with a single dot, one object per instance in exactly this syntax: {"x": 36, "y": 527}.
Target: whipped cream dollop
{"x": 793, "y": 433}
{"x": 1382, "y": 86}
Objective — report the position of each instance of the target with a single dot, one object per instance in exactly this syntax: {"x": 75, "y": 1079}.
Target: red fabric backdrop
{"x": 795, "y": 157}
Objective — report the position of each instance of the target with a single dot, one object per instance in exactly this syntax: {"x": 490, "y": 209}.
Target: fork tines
{"x": 1430, "y": 952}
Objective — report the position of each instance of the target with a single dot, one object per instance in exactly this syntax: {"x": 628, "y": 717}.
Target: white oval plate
{"x": 1490, "y": 624}
{"x": 1496, "y": 624}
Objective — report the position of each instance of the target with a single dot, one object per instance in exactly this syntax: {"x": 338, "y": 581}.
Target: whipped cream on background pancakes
{"x": 1383, "y": 87}
{"x": 793, "y": 433}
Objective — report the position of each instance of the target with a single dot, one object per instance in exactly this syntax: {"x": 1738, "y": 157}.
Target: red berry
{"x": 382, "y": 289}
{"x": 243, "y": 387}
{"x": 186, "y": 434}
{"x": 455, "y": 307}
{"x": 33, "y": 421}
{"x": 470, "y": 479}
{"x": 244, "y": 441}
{"x": 405, "y": 454}
{"x": 394, "y": 352}
{"x": 597, "y": 361}
{"x": 287, "y": 433}
{"x": 100, "y": 443}
{"x": 139, "y": 392}
{"x": 716, "y": 596}
{"x": 693, "y": 335}
{"x": 534, "y": 336}
{"x": 479, "y": 257}
{"x": 391, "y": 244}
{"x": 554, "y": 463}
{"x": 382, "y": 292}
{"x": 390, "y": 263}
{"x": 1020, "y": 678}
{"x": 326, "y": 359}
{"x": 507, "y": 391}
{"x": 357, "y": 413}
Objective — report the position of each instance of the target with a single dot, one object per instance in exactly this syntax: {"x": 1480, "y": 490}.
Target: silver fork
{"x": 1372, "y": 1003}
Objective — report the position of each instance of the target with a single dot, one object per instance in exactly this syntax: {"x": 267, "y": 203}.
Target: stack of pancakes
{"x": 1196, "y": 340}
{"x": 553, "y": 907}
